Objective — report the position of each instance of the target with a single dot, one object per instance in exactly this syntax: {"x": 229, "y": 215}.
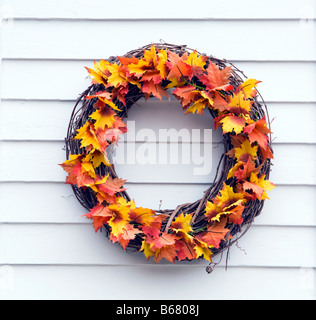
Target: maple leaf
{"x": 167, "y": 252}
{"x": 119, "y": 222}
{"x": 248, "y": 87}
{"x": 257, "y": 132}
{"x": 185, "y": 250}
{"x": 219, "y": 102}
{"x": 239, "y": 104}
{"x": 97, "y": 157}
{"x": 129, "y": 233}
{"x": 230, "y": 123}
{"x": 242, "y": 170}
{"x": 197, "y": 107}
{"x": 227, "y": 203}
{"x": 142, "y": 216}
{"x": 259, "y": 186}
{"x": 99, "y": 74}
{"x": 118, "y": 75}
{"x": 197, "y": 62}
{"x": 246, "y": 151}
{"x": 100, "y": 215}
{"x": 87, "y": 135}
{"x": 186, "y": 94}
{"x": 202, "y": 249}
{"x": 216, "y": 78}
{"x": 150, "y": 88}
{"x": 211, "y": 210}
{"x": 146, "y": 249}
{"x": 227, "y": 196}
{"x": 182, "y": 223}
{"x": 103, "y": 117}
{"x": 215, "y": 233}
{"x": 152, "y": 67}
{"x": 178, "y": 68}
{"x": 80, "y": 172}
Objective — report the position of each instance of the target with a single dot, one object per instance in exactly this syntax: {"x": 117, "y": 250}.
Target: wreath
{"x": 199, "y": 230}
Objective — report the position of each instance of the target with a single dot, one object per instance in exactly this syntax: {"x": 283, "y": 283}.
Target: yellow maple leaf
{"x": 202, "y": 249}
{"x": 146, "y": 249}
{"x": 248, "y": 87}
{"x": 120, "y": 219}
{"x": 232, "y": 123}
{"x": 88, "y": 136}
{"x": 228, "y": 197}
{"x": 118, "y": 76}
{"x": 259, "y": 186}
{"x": 239, "y": 104}
{"x": 103, "y": 117}
{"x": 197, "y": 62}
{"x": 197, "y": 107}
{"x": 142, "y": 216}
{"x": 246, "y": 151}
{"x": 182, "y": 223}
{"x": 96, "y": 157}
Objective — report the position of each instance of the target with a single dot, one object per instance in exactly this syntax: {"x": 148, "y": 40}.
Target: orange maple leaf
{"x": 257, "y": 132}
{"x": 178, "y": 68}
{"x": 215, "y": 233}
{"x": 216, "y": 79}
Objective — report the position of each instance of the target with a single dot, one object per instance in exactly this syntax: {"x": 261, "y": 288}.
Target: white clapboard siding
{"x": 46, "y": 246}
{"x": 55, "y": 116}
{"x": 65, "y": 80}
{"x": 40, "y": 163}
{"x": 56, "y": 243}
{"x": 56, "y": 202}
{"x": 176, "y": 9}
{"x": 262, "y": 40}
{"x": 101, "y": 282}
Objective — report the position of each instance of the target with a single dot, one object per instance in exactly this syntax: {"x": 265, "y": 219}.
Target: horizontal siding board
{"x": 21, "y": 41}
{"x": 67, "y": 79}
{"x": 123, "y": 283}
{"x": 55, "y": 116}
{"x": 79, "y": 244}
{"x": 55, "y": 202}
{"x": 42, "y": 158}
{"x": 98, "y": 9}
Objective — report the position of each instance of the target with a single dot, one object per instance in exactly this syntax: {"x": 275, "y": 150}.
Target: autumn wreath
{"x": 228, "y": 207}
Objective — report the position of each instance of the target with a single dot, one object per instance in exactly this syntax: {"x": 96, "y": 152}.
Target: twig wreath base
{"x": 227, "y": 209}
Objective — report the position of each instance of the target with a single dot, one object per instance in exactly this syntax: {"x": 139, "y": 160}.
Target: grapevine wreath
{"x": 202, "y": 83}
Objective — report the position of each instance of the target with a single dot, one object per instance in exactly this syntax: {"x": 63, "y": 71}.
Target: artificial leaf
{"x": 150, "y": 88}
{"x": 100, "y": 215}
{"x": 257, "y": 132}
{"x": 187, "y": 95}
{"x": 246, "y": 151}
{"x": 80, "y": 173}
{"x": 215, "y": 233}
{"x": 167, "y": 252}
{"x": 142, "y": 216}
{"x": 197, "y": 62}
{"x": 120, "y": 219}
{"x": 231, "y": 123}
{"x": 239, "y": 104}
{"x": 216, "y": 78}
{"x": 104, "y": 117}
{"x": 178, "y": 68}
{"x": 248, "y": 87}
{"x": 202, "y": 249}
{"x": 197, "y": 107}
{"x": 182, "y": 224}
{"x": 259, "y": 186}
